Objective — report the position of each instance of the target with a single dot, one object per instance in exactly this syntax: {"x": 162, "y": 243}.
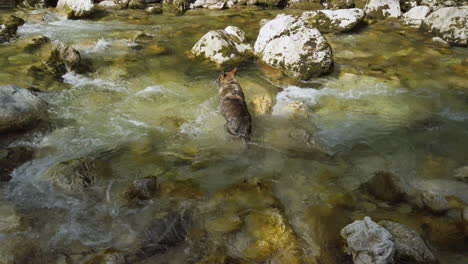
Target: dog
{"x": 233, "y": 106}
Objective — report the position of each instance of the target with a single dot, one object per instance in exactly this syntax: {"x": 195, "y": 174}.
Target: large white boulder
{"x": 368, "y": 242}
{"x": 226, "y": 46}
{"x": 449, "y": 23}
{"x": 416, "y": 15}
{"x": 19, "y": 107}
{"x": 380, "y": 9}
{"x": 333, "y": 20}
{"x": 286, "y": 43}
{"x": 76, "y": 8}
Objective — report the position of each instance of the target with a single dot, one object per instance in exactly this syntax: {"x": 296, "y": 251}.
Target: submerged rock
{"x": 266, "y": 236}
{"x": 333, "y": 20}
{"x": 10, "y": 219}
{"x": 11, "y": 158}
{"x": 19, "y": 108}
{"x": 9, "y": 27}
{"x": 416, "y": 15}
{"x": 380, "y": 9}
{"x": 76, "y": 8}
{"x": 142, "y": 189}
{"x": 107, "y": 256}
{"x": 75, "y": 175}
{"x": 20, "y": 250}
{"x": 449, "y": 23}
{"x": 440, "y": 195}
{"x": 287, "y": 44}
{"x": 387, "y": 186}
{"x": 160, "y": 236}
{"x": 409, "y": 246}
{"x": 368, "y": 242}
{"x": 226, "y": 46}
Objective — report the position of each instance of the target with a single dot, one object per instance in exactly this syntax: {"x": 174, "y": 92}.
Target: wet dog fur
{"x": 233, "y": 106}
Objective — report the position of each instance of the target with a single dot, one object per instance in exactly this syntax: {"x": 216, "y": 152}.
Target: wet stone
{"x": 408, "y": 244}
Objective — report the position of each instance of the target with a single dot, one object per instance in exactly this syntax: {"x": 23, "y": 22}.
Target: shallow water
{"x": 394, "y": 103}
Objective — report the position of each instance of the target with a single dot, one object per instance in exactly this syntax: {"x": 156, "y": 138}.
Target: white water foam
{"x": 154, "y": 89}
{"x": 311, "y": 96}
{"x": 78, "y": 80}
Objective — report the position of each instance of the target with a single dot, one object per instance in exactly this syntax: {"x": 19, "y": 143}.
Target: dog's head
{"x": 226, "y": 77}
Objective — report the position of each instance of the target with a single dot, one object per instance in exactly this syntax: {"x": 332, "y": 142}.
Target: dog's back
{"x": 233, "y": 106}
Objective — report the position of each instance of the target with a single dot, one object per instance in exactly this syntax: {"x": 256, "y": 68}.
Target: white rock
{"x": 368, "y": 242}
{"x": 76, "y": 8}
{"x": 378, "y": 9}
{"x": 286, "y": 43}
{"x": 236, "y": 32}
{"x": 109, "y": 4}
{"x": 333, "y": 20}
{"x": 223, "y": 46}
{"x": 210, "y": 4}
{"x": 440, "y": 42}
{"x": 416, "y": 14}
{"x": 449, "y": 23}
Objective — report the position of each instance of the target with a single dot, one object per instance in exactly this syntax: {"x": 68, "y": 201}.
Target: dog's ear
{"x": 233, "y": 72}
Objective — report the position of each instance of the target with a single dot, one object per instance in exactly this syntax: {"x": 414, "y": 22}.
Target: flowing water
{"x": 395, "y": 102}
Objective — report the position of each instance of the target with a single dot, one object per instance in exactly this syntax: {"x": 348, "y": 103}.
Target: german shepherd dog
{"x": 233, "y": 106}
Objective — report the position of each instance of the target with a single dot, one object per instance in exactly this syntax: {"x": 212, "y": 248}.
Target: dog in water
{"x": 233, "y": 106}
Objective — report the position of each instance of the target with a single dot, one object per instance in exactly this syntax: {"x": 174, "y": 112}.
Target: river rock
{"x": 19, "y": 108}
{"x": 20, "y": 250}
{"x": 111, "y": 4}
{"x": 11, "y": 158}
{"x": 438, "y": 4}
{"x": 10, "y": 219}
{"x": 327, "y": 21}
{"x": 437, "y": 194}
{"x": 380, "y": 9}
{"x": 285, "y": 43}
{"x": 142, "y": 189}
{"x": 416, "y": 15}
{"x": 9, "y": 27}
{"x": 107, "y": 256}
{"x": 387, "y": 186}
{"x": 461, "y": 173}
{"x": 368, "y": 242}
{"x": 175, "y": 7}
{"x": 449, "y": 23}
{"x": 75, "y": 175}
{"x": 76, "y": 8}
{"x": 62, "y": 59}
{"x": 226, "y": 46}
{"x": 210, "y": 4}
{"x": 159, "y": 236}
{"x": 410, "y": 247}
